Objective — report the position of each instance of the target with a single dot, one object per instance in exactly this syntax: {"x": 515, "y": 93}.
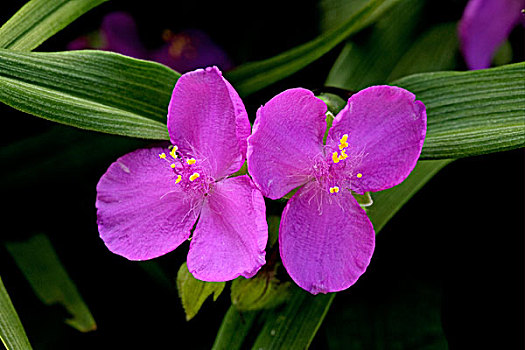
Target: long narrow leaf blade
{"x": 471, "y": 113}
{"x": 39, "y": 263}
{"x": 38, "y": 20}
{"x": 12, "y": 333}
{"x": 254, "y": 76}
{"x": 296, "y": 325}
{"x": 93, "y": 90}
{"x": 234, "y": 329}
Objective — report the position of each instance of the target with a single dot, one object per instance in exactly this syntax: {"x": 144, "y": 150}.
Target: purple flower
{"x": 149, "y": 200}
{"x": 326, "y": 240}
{"x": 484, "y": 26}
{"x": 183, "y": 51}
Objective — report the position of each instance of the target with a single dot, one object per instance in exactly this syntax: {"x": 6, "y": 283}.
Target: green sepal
{"x": 364, "y": 200}
{"x": 264, "y": 291}
{"x": 193, "y": 292}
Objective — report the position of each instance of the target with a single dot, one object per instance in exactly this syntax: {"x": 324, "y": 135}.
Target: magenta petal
{"x": 231, "y": 234}
{"x": 141, "y": 212}
{"x": 484, "y": 26}
{"x": 326, "y": 241}
{"x": 286, "y": 141}
{"x": 207, "y": 120}
{"x": 386, "y": 129}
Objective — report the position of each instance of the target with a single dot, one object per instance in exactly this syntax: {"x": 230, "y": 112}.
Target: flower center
{"x": 188, "y": 173}
{"x": 339, "y": 169}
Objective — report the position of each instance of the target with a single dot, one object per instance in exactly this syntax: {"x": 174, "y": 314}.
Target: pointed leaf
{"x": 193, "y": 292}
{"x": 40, "y": 265}
{"x": 93, "y": 90}
{"x": 38, "y": 20}
{"x": 12, "y": 333}
{"x": 471, "y": 113}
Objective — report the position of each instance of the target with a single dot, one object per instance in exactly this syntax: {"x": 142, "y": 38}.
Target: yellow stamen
{"x": 173, "y": 151}
{"x": 343, "y": 155}
{"x": 359, "y": 175}
{"x": 173, "y": 165}
{"x": 191, "y": 161}
{"x": 178, "y": 179}
{"x": 342, "y": 143}
{"x": 194, "y": 176}
{"x": 335, "y": 157}
{"x": 334, "y": 189}
{"x": 162, "y": 156}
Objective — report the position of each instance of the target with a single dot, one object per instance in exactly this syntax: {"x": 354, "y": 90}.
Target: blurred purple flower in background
{"x": 484, "y": 27}
{"x": 149, "y": 200}
{"x": 183, "y": 52}
{"x": 326, "y": 239}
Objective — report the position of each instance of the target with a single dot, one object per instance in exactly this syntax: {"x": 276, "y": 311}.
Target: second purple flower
{"x": 326, "y": 240}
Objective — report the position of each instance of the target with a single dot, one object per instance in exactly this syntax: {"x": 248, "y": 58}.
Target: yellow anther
{"x": 334, "y": 189}
{"x": 335, "y": 157}
{"x": 191, "y": 161}
{"x": 173, "y": 165}
{"x": 178, "y": 179}
{"x": 162, "y": 156}
{"x": 173, "y": 152}
{"x": 194, "y": 176}
{"x": 343, "y": 155}
{"x": 359, "y": 175}
{"x": 342, "y": 143}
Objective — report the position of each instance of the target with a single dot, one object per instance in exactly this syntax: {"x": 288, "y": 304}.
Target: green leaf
{"x": 12, "y": 332}
{"x": 234, "y": 329}
{"x": 38, "y": 20}
{"x": 295, "y": 326}
{"x": 193, "y": 292}
{"x": 435, "y": 50}
{"x": 251, "y": 77}
{"x": 363, "y": 64}
{"x": 471, "y": 113}
{"x": 93, "y": 90}
{"x": 40, "y": 265}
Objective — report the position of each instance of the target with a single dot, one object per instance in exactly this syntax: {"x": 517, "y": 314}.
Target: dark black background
{"x": 462, "y": 233}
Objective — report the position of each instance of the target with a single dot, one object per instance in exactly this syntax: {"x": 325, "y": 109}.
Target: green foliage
{"x": 234, "y": 329}
{"x": 193, "y": 292}
{"x": 434, "y": 50}
{"x": 12, "y": 332}
{"x": 38, "y": 20}
{"x": 471, "y": 113}
{"x": 40, "y": 265}
{"x": 251, "y": 77}
{"x": 363, "y": 64}
{"x": 93, "y": 90}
